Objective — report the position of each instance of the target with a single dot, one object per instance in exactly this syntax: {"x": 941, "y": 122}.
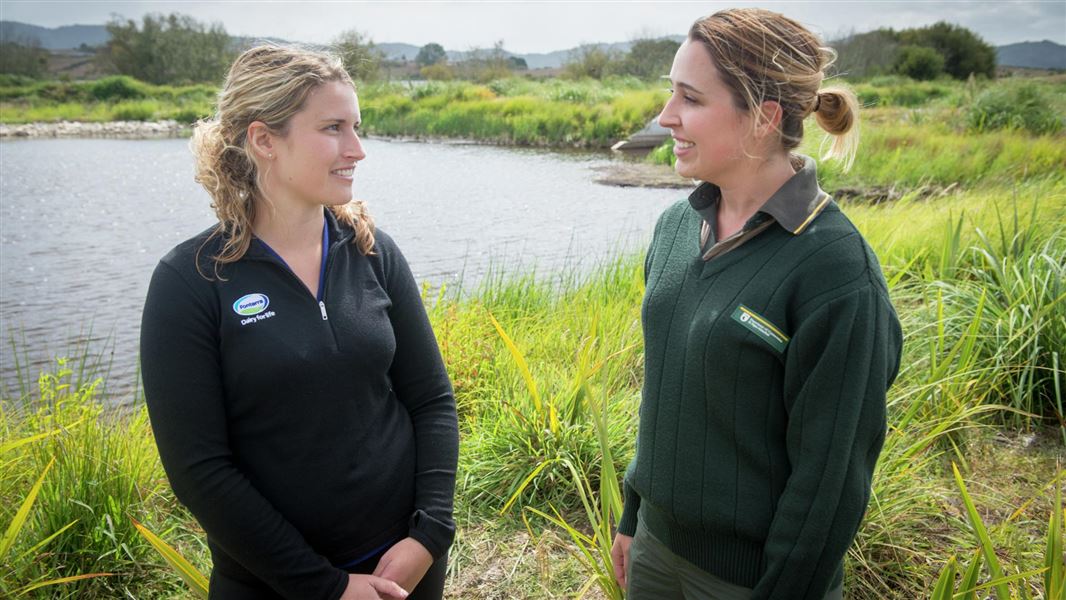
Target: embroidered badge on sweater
{"x": 761, "y": 327}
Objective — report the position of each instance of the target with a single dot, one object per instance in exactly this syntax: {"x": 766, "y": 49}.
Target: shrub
{"x": 964, "y": 51}
{"x": 118, "y": 87}
{"x": 9, "y": 79}
{"x": 1022, "y": 107}
{"x": 919, "y": 62}
{"x": 437, "y": 72}
{"x": 55, "y": 91}
{"x": 188, "y": 115}
{"x": 143, "y": 110}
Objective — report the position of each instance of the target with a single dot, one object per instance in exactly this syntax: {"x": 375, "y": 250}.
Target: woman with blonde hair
{"x": 298, "y": 397}
{"x": 770, "y": 340}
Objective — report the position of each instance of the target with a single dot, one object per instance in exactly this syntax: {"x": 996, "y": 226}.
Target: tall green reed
{"x": 1017, "y": 286}
{"x": 104, "y": 470}
{"x": 520, "y": 423}
{"x": 12, "y": 579}
{"x": 1004, "y": 586}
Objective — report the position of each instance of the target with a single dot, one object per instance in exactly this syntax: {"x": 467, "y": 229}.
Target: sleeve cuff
{"x": 627, "y": 525}
{"x": 435, "y": 535}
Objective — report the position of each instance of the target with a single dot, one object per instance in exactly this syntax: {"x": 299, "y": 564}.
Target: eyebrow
{"x": 339, "y": 120}
{"x": 682, "y": 84}
{"x": 688, "y": 87}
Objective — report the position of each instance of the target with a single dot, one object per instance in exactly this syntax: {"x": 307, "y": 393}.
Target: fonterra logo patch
{"x": 253, "y": 307}
{"x": 251, "y": 304}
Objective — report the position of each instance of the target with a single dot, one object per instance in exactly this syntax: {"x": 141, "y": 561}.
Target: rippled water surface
{"x": 83, "y": 223}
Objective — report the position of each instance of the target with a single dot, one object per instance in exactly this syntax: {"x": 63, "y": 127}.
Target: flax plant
{"x": 930, "y": 411}
{"x": 554, "y": 430}
{"x": 102, "y": 469}
{"x": 15, "y": 564}
{"x": 591, "y": 540}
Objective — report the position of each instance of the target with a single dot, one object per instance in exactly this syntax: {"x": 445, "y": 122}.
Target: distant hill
{"x": 1039, "y": 55}
{"x": 59, "y": 38}
{"x": 399, "y": 51}
{"x": 1035, "y": 55}
{"x": 73, "y": 36}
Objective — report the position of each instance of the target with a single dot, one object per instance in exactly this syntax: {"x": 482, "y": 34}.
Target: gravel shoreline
{"x": 111, "y": 129}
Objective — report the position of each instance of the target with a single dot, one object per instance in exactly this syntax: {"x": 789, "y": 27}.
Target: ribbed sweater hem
{"x": 733, "y": 559}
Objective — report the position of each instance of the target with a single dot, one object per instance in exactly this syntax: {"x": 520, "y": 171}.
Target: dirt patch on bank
{"x": 881, "y": 194}
{"x": 627, "y": 174}
{"x": 500, "y": 563}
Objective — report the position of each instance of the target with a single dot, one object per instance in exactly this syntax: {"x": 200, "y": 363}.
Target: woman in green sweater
{"x": 770, "y": 340}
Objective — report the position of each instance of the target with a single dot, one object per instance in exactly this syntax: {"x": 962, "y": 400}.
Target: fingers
{"x": 384, "y": 562}
{"x": 620, "y": 572}
{"x": 384, "y": 586}
{"x": 620, "y": 558}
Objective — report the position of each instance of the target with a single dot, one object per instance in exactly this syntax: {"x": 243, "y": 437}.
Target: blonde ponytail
{"x": 355, "y": 215}
{"x": 838, "y": 114}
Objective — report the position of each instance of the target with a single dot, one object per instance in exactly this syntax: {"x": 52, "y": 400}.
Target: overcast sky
{"x": 544, "y": 26}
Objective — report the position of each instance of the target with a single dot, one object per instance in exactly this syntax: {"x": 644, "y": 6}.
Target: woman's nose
{"x": 354, "y": 149}
{"x": 668, "y": 117}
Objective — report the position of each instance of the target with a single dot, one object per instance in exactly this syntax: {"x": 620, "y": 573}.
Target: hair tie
{"x": 817, "y": 102}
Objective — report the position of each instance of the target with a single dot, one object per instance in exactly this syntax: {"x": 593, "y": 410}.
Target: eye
{"x": 686, "y": 98}
{"x": 333, "y": 127}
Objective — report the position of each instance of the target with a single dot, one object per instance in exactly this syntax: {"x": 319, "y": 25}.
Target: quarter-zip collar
{"x": 333, "y": 235}
{"x": 337, "y": 233}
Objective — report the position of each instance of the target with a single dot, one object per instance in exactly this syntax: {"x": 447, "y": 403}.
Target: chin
{"x": 684, "y": 170}
{"x": 339, "y": 201}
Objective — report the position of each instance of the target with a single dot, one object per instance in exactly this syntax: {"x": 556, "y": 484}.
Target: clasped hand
{"x": 399, "y": 571}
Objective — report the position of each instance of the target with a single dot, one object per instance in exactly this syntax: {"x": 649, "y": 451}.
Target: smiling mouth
{"x": 348, "y": 172}
{"x": 683, "y": 145}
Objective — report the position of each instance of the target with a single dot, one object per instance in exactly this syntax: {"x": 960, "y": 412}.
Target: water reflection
{"x": 83, "y": 223}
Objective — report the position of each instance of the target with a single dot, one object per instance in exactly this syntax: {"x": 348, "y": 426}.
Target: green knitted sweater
{"x": 763, "y": 408}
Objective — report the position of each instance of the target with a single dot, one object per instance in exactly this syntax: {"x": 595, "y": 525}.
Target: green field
{"x": 968, "y": 224}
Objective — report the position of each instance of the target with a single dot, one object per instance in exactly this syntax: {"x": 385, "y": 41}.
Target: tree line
{"x": 178, "y": 49}
{"x": 922, "y": 53}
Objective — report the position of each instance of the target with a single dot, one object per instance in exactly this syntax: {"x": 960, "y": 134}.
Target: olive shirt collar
{"x": 793, "y": 206}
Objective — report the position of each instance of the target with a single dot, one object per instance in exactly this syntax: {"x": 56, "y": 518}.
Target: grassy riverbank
{"x": 117, "y": 98}
{"x": 977, "y": 277}
{"x": 920, "y": 139}
{"x": 564, "y": 113}
{"x": 547, "y": 372}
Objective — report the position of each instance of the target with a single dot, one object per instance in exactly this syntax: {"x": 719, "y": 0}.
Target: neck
{"x": 753, "y": 186}
{"x": 286, "y": 226}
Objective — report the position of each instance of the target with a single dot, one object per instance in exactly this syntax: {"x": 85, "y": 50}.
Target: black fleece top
{"x": 301, "y": 434}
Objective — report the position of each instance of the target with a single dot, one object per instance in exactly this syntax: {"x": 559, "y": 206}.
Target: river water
{"x": 83, "y": 223}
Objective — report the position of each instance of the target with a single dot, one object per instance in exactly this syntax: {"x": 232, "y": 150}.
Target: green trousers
{"x": 656, "y": 573}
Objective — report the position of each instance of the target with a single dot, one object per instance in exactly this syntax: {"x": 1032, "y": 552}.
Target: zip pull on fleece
{"x": 322, "y": 307}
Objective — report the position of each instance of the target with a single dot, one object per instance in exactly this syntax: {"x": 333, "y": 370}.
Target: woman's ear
{"x": 261, "y": 140}
{"x": 769, "y": 119}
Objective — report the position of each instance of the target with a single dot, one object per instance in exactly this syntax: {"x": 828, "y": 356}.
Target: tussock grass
{"x": 102, "y": 470}
{"x": 118, "y": 98}
{"x": 512, "y": 111}
{"x": 547, "y": 372}
{"x": 898, "y": 159}
{"x": 532, "y": 445}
